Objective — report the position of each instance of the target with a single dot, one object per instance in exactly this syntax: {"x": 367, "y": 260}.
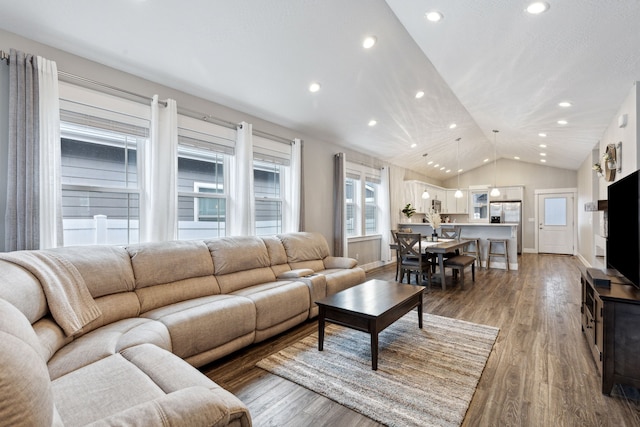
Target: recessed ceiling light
{"x": 369, "y": 42}
{"x": 516, "y": 157}
{"x": 543, "y": 160}
{"x": 562, "y": 122}
{"x": 434, "y": 16}
{"x": 543, "y": 154}
{"x": 542, "y": 134}
{"x": 419, "y": 94}
{"x": 372, "y": 122}
{"x": 460, "y": 170}
{"x": 537, "y": 7}
{"x": 485, "y": 160}
{"x": 542, "y": 145}
{"x": 447, "y": 171}
{"x": 430, "y": 162}
{"x": 414, "y": 145}
{"x": 442, "y": 168}
{"x": 314, "y": 87}
{"x": 564, "y": 104}
{"x": 453, "y": 126}
{"x": 436, "y": 165}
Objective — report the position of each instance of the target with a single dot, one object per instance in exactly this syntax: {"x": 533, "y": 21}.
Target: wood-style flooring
{"x": 540, "y": 372}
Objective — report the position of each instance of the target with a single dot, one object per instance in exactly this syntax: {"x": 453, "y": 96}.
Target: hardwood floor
{"x": 540, "y": 372}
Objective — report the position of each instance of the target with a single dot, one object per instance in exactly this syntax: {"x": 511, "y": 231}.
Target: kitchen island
{"x": 481, "y": 231}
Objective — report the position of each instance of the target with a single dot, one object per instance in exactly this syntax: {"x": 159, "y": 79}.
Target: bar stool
{"x": 494, "y": 250}
{"x": 473, "y": 249}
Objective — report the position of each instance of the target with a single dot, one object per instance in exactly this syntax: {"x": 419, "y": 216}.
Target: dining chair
{"x": 458, "y": 264}
{"x": 395, "y": 246}
{"x": 412, "y": 260}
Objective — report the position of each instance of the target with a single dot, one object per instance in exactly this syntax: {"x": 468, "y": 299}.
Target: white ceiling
{"x": 488, "y": 65}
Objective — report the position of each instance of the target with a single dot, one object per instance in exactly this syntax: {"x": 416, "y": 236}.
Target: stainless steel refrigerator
{"x": 509, "y": 212}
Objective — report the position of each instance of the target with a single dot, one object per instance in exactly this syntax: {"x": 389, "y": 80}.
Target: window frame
{"x": 363, "y": 176}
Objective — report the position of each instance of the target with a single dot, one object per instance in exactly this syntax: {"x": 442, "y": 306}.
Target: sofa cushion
{"x": 232, "y": 282}
{"x": 23, "y": 290}
{"x": 276, "y": 251}
{"x": 304, "y": 246}
{"x": 153, "y": 297}
{"x": 25, "y": 388}
{"x": 202, "y": 324}
{"x": 277, "y": 301}
{"x": 165, "y": 262}
{"x": 105, "y": 269}
{"x": 233, "y": 254}
{"x": 106, "y": 341}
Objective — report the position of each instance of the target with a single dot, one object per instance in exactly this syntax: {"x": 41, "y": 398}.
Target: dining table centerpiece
{"x": 434, "y": 219}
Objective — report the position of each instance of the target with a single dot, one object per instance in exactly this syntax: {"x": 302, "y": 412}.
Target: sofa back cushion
{"x": 240, "y": 262}
{"x": 106, "y": 270}
{"x": 108, "y": 274}
{"x": 233, "y": 254}
{"x": 304, "y": 246}
{"x": 23, "y": 290}
{"x": 277, "y": 255}
{"x": 170, "y": 272}
{"x": 25, "y": 388}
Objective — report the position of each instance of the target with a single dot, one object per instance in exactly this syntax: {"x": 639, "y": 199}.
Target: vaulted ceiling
{"x": 486, "y": 65}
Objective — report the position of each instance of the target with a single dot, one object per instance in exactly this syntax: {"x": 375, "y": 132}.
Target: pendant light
{"x": 425, "y": 194}
{"x": 458, "y": 193}
{"x": 495, "y": 192}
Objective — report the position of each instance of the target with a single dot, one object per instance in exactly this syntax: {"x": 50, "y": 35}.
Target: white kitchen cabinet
{"x": 454, "y": 205}
{"x": 509, "y": 193}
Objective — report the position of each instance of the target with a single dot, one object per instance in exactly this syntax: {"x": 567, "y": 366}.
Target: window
{"x": 204, "y": 151}
{"x": 100, "y": 167}
{"x": 352, "y": 191}
{"x": 271, "y": 171}
{"x": 362, "y": 201}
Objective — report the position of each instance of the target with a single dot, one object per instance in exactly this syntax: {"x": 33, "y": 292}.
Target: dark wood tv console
{"x": 611, "y": 325}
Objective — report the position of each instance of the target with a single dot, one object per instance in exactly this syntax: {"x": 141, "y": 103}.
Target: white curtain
{"x": 241, "y": 218}
{"x": 159, "y": 204}
{"x": 385, "y": 215}
{"x": 292, "y": 215}
{"x": 51, "y": 231}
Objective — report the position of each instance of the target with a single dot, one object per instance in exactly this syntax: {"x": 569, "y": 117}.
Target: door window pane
{"x": 555, "y": 211}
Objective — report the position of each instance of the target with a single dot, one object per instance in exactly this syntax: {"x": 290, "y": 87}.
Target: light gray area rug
{"x": 425, "y": 377}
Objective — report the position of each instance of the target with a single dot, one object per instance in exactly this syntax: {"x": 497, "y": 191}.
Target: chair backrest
{"x": 409, "y": 244}
{"x": 450, "y": 233}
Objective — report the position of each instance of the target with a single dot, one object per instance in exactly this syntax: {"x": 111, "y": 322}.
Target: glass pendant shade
{"x": 495, "y": 192}
{"x": 458, "y": 194}
{"x": 425, "y": 195}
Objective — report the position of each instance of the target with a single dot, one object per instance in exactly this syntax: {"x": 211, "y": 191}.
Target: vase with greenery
{"x": 408, "y": 211}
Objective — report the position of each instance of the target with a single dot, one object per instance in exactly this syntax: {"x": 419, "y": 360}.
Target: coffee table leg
{"x": 374, "y": 350}
{"x": 420, "y": 311}
{"x": 321, "y": 329}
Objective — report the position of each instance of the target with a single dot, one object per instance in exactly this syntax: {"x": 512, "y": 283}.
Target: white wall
{"x": 592, "y": 187}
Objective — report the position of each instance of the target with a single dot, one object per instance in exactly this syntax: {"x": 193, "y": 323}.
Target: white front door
{"x": 555, "y": 223}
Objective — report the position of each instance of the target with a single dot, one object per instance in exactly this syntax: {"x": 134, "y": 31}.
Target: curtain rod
{"x": 194, "y": 114}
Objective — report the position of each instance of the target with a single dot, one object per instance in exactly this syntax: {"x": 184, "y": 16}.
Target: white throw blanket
{"x": 69, "y": 300}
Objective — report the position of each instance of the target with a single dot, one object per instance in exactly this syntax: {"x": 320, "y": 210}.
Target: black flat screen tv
{"x": 623, "y": 238}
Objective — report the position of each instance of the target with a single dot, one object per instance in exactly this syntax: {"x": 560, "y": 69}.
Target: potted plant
{"x": 408, "y": 211}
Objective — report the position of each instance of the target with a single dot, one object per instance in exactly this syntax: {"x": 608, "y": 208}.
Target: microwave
{"x": 436, "y": 205}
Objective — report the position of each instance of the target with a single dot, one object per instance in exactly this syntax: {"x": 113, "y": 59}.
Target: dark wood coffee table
{"x": 369, "y": 307}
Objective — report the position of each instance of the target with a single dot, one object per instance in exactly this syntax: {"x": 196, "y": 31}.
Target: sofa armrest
{"x": 296, "y": 274}
{"x": 193, "y": 406}
{"x": 339, "y": 262}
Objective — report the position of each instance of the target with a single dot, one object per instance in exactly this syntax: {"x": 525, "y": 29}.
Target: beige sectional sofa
{"x": 107, "y": 335}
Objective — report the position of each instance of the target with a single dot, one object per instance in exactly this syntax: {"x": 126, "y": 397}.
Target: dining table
{"x": 441, "y": 247}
